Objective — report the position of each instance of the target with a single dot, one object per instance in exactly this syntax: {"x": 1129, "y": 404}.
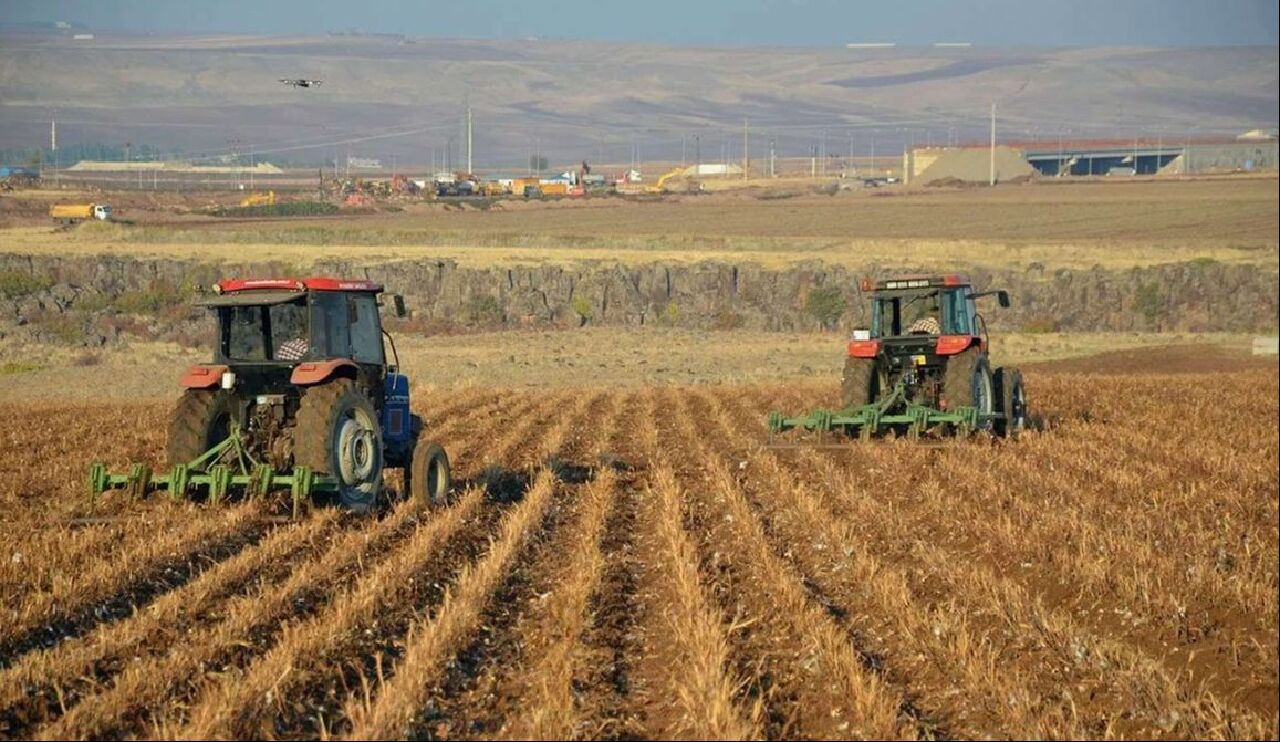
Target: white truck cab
{"x": 101, "y": 211}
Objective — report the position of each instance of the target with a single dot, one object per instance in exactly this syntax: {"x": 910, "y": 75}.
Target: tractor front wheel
{"x": 200, "y": 421}
{"x": 337, "y": 433}
{"x": 1013, "y": 402}
{"x": 428, "y": 477}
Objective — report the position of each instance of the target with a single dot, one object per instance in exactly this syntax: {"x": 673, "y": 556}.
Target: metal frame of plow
{"x": 866, "y": 421}
{"x": 255, "y": 479}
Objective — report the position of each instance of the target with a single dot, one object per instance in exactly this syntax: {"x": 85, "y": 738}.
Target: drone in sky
{"x": 301, "y": 83}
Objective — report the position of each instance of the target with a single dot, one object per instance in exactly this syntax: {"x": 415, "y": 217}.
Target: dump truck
{"x": 921, "y": 368}
{"x": 299, "y": 396}
{"x": 71, "y": 213}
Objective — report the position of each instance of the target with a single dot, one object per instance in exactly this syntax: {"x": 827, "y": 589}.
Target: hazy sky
{"x": 717, "y": 22}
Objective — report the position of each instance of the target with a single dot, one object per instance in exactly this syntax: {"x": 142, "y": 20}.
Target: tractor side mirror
{"x": 1002, "y": 297}
{"x": 397, "y": 301}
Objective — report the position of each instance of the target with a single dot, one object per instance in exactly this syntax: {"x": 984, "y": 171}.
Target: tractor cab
{"x": 287, "y": 321}
{"x": 923, "y": 319}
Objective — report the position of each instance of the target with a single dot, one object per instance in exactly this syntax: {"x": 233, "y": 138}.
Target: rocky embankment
{"x": 94, "y": 300}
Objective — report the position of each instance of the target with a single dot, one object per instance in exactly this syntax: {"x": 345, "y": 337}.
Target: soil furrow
{"x": 469, "y": 697}
{"x": 109, "y": 592}
{"x": 366, "y": 623}
{"x": 43, "y": 685}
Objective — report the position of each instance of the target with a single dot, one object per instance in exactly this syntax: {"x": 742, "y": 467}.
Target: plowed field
{"x": 629, "y": 562}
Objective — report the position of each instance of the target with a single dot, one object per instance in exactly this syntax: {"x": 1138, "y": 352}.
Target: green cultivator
{"x": 224, "y": 469}
{"x": 892, "y": 413}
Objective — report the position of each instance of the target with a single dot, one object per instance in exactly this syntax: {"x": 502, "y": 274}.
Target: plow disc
{"x": 223, "y": 470}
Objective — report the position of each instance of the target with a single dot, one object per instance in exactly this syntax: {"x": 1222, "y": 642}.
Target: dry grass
{"x": 1114, "y": 577}
{"x": 452, "y": 365}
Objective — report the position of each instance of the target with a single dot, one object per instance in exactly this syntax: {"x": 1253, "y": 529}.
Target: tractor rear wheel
{"x": 860, "y": 384}
{"x": 338, "y": 434}
{"x": 967, "y": 383}
{"x": 428, "y": 478}
{"x": 1013, "y": 402}
{"x": 200, "y": 421}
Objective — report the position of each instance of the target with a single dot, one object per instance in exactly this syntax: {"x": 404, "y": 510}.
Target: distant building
{"x": 365, "y": 163}
{"x": 712, "y": 169}
{"x": 924, "y": 165}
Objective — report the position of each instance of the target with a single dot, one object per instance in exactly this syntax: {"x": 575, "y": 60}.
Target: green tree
{"x": 826, "y": 304}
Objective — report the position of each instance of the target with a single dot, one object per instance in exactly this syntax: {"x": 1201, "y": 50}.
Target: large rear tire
{"x": 338, "y": 434}
{"x": 967, "y": 383}
{"x": 428, "y": 478}
{"x": 200, "y": 421}
{"x": 1013, "y": 402}
{"x": 860, "y": 384}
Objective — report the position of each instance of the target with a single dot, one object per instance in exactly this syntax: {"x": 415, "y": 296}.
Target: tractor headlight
{"x": 228, "y": 380}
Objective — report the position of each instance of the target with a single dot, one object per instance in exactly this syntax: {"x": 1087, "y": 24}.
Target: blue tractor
{"x": 299, "y": 396}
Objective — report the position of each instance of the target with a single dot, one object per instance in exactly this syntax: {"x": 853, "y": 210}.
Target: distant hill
{"x": 575, "y": 100}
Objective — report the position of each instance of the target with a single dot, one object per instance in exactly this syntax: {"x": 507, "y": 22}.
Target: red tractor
{"x": 299, "y": 394}
{"x": 922, "y": 367}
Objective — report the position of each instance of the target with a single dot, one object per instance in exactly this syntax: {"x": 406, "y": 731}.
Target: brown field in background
{"x": 1058, "y": 225}
{"x": 627, "y": 562}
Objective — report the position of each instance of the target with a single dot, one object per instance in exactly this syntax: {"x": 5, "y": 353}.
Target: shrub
{"x": 483, "y": 309}
{"x": 670, "y": 314}
{"x": 16, "y": 283}
{"x": 826, "y": 304}
{"x": 582, "y": 308}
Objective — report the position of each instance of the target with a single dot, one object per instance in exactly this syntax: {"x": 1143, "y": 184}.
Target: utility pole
{"x": 773, "y": 158}
{"x": 53, "y": 145}
{"x": 469, "y": 170}
{"x": 992, "y": 158}
{"x": 822, "y": 150}
{"x": 697, "y": 154}
{"x": 746, "y": 151}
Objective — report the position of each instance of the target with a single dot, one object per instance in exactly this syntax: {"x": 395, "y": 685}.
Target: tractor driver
{"x": 925, "y": 321}
{"x": 291, "y": 321}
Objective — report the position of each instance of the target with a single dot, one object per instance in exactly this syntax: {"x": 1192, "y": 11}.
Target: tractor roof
{"x": 921, "y": 281}
{"x": 314, "y": 283}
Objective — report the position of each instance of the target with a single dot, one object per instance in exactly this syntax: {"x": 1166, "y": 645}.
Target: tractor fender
{"x": 316, "y": 372}
{"x": 202, "y": 377}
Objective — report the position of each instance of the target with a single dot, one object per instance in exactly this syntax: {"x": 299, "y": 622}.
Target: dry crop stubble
{"x": 818, "y": 685}
{"x": 1114, "y": 577}
{"x": 482, "y": 690}
{"x": 467, "y": 697}
{"x": 942, "y": 520}
{"x": 42, "y": 685}
{"x": 690, "y": 686}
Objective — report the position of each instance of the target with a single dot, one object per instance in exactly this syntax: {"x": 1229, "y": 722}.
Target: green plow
{"x": 222, "y": 470}
{"x": 894, "y": 412}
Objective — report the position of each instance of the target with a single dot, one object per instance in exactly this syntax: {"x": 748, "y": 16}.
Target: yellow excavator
{"x": 259, "y": 199}
{"x": 660, "y": 186}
